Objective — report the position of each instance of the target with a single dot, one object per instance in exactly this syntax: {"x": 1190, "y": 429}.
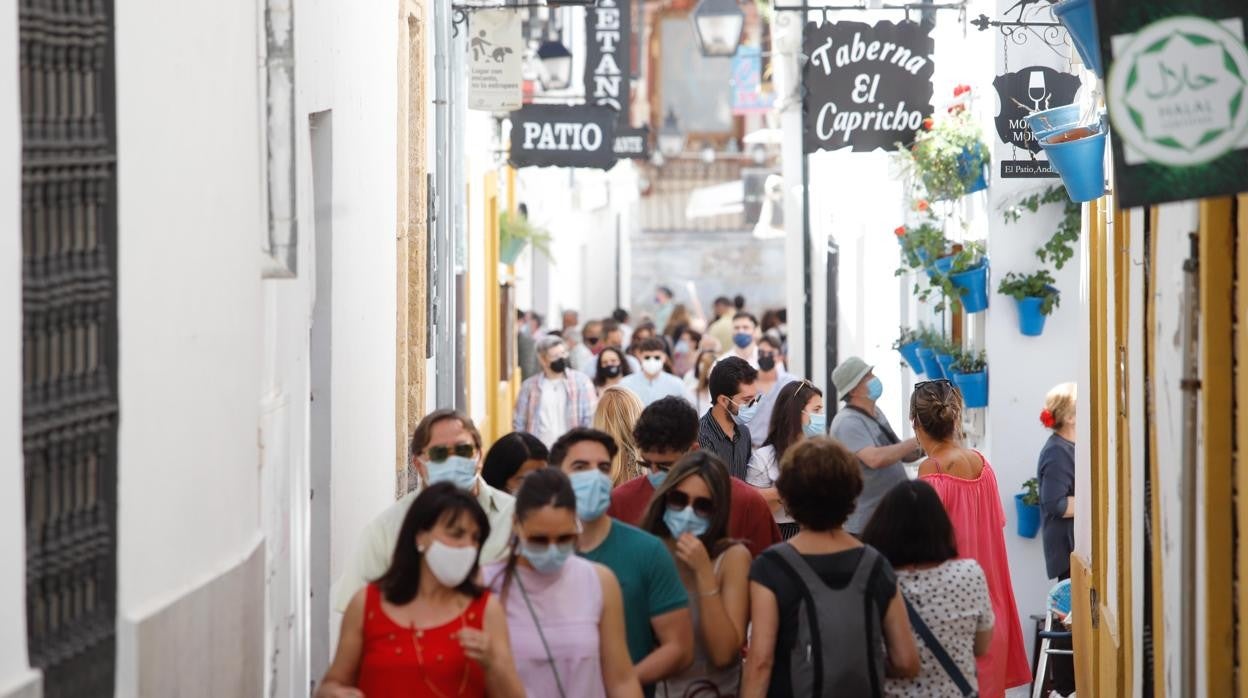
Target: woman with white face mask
{"x": 565, "y": 614}
{"x": 797, "y": 415}
{"x": 425, "y": 627}
{"x": 689, "y": 513}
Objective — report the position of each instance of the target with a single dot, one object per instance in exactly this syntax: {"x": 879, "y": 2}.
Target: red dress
{"x": 400, "y": 662}
{"x": 974, "y": 507}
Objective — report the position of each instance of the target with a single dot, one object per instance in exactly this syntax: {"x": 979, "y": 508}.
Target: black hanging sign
{"x": 868, "y": 86}
{"x": 555, "y": 135}
{"x": 632, "y": 143}
{"x": 608, "y": 28}
{"x": 1031, "y": 89}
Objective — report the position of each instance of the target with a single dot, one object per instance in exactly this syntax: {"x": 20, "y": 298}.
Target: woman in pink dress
{"x": 968, "y": 487}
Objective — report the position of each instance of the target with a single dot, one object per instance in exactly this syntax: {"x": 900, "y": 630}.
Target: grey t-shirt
{"x": 858, "y": 431}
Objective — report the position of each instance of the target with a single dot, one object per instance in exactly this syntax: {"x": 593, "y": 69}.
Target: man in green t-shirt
{"x": 656, "y": 607}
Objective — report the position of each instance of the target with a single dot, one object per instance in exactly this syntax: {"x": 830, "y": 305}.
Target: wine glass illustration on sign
{"x": 1037, "y": 92}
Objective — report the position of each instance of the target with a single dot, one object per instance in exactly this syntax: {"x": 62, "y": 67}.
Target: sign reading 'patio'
{"x": 868, "y": 86}
{"x": 554, "y": 135}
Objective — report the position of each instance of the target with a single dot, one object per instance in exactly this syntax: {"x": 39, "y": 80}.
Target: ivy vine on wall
{"x": 1057, "y": 250}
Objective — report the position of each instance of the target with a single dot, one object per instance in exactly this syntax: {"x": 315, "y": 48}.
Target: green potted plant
{"x": 970, "y": 374}
{"x": 1027, "y": 505}
{"x": 1036, "y": 297}
{"x": 968, "y": 275}
{"x": 907, "y": 344}
{"x": 514, "y": 232}
{"x": 921, "y": 244}
{"x": 949, "y": 157}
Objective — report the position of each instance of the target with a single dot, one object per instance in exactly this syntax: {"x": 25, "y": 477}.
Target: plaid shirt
{"x": 581, "y": 402}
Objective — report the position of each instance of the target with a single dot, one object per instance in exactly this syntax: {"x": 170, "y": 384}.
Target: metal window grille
{"x": 69, "y": 341}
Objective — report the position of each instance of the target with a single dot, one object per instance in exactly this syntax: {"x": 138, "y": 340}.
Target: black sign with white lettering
{"x": 553, "y": 135}
{"x": 1029, "y": 90}
{"x": 607, "y": 27}
{"x": 632, "y": 143}
{"x": 868, "y": 86}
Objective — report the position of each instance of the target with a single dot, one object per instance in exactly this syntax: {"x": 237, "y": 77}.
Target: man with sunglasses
{"x": 865, "y": 431}
{"x": 657, "y": 621}
{"x": 666, "y": 431}
{"x": 585, "y": 353}
{"x": 445, "y": 447}
{"x": 724, "y": 430}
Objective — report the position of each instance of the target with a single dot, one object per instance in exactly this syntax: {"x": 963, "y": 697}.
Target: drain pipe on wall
{"x": 1190, "y": 505}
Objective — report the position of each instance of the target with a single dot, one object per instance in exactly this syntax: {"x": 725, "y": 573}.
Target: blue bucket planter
{"x": 1028, "y": 517}
{"x": 1081, "y": 163}
{"x": 910, "y": 352}
{"x": 1046, "y": 123}
{"x": 931, "y": 366}
{"x": 945, "y": 361}
{"x": 1079, "y": 18}
{"x": 509, "y": 249}
{"x": 966, "y": 170}
{"x": 975, "y": 283}
{"x": 1030, "y": 319}
{"x": 940, "y": 267}
{"x": 974, "y": 388}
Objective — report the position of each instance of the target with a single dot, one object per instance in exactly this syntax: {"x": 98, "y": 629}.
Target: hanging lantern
{"x": 719, "y": 25}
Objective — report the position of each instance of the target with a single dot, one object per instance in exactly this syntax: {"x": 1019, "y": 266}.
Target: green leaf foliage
{"x": 1036, "y": 285}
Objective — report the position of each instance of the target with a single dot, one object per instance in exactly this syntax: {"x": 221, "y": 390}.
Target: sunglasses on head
{"x": 702, "y": 506}
{"x": 938, "y": 381}
{"x": 437, "y": 454}
{"x": 544, "y": 541}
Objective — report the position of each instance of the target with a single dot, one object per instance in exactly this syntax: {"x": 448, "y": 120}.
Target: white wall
{"x": 14, "y": 669}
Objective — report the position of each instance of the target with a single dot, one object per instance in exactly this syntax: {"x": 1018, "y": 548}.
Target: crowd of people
{"x": 645, "y": 531}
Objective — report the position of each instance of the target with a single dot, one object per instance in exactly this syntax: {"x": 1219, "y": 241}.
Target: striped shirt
{"x": 734, "y": 451}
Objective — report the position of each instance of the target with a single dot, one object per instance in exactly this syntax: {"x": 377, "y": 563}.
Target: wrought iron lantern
{"x": 719, "y": 25}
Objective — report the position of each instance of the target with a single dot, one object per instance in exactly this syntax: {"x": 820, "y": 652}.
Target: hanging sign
{"x": 608, "y": 70}
{"x": 1018, "y": 94}
{"x": 868, "y": 86}
{"x": 495, "y": 58}
{"x": 632, "y": 143}
{"x": 747, "y": 76}
{"x": 1177, "y": 93}
{"x": 555, "y": 135}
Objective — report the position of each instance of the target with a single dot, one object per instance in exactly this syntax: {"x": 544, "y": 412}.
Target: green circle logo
{"x": 1177, "y": 90}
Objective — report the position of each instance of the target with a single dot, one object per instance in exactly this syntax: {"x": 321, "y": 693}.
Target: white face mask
{"x": 652, "y": 366}
{"x": 450, "y": 565}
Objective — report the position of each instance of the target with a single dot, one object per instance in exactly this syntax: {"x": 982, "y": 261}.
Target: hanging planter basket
{"x": 910, "y": 352}
{"x": 1050, "y": 121}
{"x": 940, "y": 267}
{"x": 1078, "y": 155}
{"x": 974, "y": 388}
{"x": 1030, "y": 319}
{"x": 509, "y": 249}
{"x": 972, "y": 175}
{"x": 1028, "y": 517}
{"x": 945, "y": 361}
{"x": 974, "y": 284}
{"x": 1079, "y": 18}
{"x": 931, "y": 367}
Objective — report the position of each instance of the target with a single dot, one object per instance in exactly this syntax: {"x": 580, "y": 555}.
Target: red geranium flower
{"x": 899, "y": 230}
{"x": 922, "y": 205}
{"x": 927, "y": 123}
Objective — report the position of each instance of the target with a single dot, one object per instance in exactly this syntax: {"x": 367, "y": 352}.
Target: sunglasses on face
{"x": 437, "y": 454}
{"x": 746, "y": 403}
{"x": 702, "y": 506}
{"x": 544, "y": 541}
{"x": 591, "y": 341}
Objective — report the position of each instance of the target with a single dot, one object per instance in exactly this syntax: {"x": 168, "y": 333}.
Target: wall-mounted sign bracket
{"x": 1053, "y": 34}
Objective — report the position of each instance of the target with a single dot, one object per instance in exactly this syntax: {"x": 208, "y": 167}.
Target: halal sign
{"x": 869, "y": 86}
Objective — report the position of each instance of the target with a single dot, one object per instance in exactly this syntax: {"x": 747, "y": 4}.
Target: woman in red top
{"x": 425, "y": 628}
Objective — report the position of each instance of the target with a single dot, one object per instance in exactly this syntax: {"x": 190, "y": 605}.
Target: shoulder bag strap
{"x": 541, "y": 635}
{"x": 946, "y": 662}
{"x": 888, "y": 431}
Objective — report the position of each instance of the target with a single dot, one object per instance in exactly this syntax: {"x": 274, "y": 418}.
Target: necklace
{"x": 420, "y": 660}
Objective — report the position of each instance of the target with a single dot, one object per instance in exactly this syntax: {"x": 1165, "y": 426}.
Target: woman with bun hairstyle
{"x": 1056, "y": 473}
{"x": 967, "y": 486}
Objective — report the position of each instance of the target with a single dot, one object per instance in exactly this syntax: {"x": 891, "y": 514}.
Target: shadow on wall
{"x": 720, "y": 264}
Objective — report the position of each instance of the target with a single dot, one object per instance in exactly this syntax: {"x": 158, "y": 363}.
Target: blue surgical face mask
{"x": 875, "y": 389}
{"x": 817, "y": 426}
{"x": 742, "y": 339}
{"x": 546, "y": 559}
{"x": 685, "y": 520}
{"x": 745, "y": 415}
{"x": 593, "y": 494}
{"x": 656, "y": 479}
{"x": 457, "y": 470}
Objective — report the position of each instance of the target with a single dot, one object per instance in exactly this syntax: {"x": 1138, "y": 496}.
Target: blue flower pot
{"x": 1046, "y": 123}
{"x": 1030, "y": 319}
{"x": 910, "y": 352}
{"x": 940, "y": 267}
{"x": 1028, "y": 517}
{"x": 509, "y": 249}
{"x": 975, "y": 284}
{"x": 945, "y": 361}
{"x": 1079, "y": 18}
{"x": 931, "y": 367}
{"x": 966, "y": 169}
{"x": 974, "y": 388}
{"x": 1081, "y": 163}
